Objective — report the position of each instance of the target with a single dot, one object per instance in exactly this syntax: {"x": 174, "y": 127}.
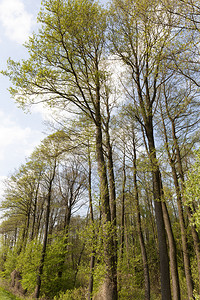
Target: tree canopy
{"x": 107, "y": 205}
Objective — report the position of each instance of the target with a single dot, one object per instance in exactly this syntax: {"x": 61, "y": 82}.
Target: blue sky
{"x": 19, "y": 132}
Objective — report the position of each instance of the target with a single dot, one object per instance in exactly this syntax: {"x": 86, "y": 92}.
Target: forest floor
{"x": 5, "y": 295}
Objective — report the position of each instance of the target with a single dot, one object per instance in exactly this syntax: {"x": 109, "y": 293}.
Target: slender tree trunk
{"x": 24, "y": 238}
{"x": 172, "y": 254}
{"x": 78, "y": 264}
{"x": 40, "y": 271}
{"x": 91, "y": 280}
{"x": 186, "y": 258}
{"x": 139, "y": 225}
{"x": 149, "y": 199}
{"x": 157, "y": 193}
{"x": 66, "y": 232}
{"x": 196, "y": 240}
{"x": 92, "y": 258}
{"x": 173, "y": 260}
{"x": 127, "y": 242}
{"x": 123, "y": 208}
{"x": 34, "y": 211}
{"x": 41, "y": 266}
{"x": 111, "y": 177}
{"x": 109, "y": 247}
{"x": 187, "y": 266}
{"x": 188, "y": 211}
{"x": 39, "y": 216}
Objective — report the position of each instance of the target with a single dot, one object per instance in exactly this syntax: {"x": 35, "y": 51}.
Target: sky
{"x": 20, "y": 132}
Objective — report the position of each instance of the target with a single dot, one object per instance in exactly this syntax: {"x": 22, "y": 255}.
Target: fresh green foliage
{"x": 125, "y": 162}
{"x": 5, "y": 295}
{"x": 28, "y": 263}
{"x": 192, "y": 188}
{"x": 73, "y": 295}
{"x": 10, "y": 263}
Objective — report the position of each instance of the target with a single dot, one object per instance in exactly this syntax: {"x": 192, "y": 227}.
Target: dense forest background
{"x": 107, "y": 206}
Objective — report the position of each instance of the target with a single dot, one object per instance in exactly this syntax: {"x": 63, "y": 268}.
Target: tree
{"x": 49, "y": 152}
{"x": 140, "y": 45}
{"x": 129, "y": 136}
{"x": 179, "y": 117}
{"x": 192, "y": 189}
{"x": 21, "y": 195}
{"x": 71, "y": 184}
{"x": 64, "y": 69}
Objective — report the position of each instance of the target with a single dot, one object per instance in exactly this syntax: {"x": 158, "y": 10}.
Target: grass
{"x": 5, "y": 295}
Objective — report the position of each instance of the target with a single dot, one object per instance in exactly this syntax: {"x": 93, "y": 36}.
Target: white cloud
{"x": 45, "y": 111}
{"x": 11, "y": 134}
{"x": 16, "y": 21}
{"x": 51, "y": 114}
{"x": 16, "y": 143}
{"x": 2, "y": 179}
{"x": 2, "y": 187}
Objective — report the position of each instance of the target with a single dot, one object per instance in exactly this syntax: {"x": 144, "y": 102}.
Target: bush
{"x": 76, "y": 294}
{"x": 28, "y": 263}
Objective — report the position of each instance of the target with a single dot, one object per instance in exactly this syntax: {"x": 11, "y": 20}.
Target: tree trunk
{"x": 24, "y": 238}
{"x": 139, "y": 225}
{"x": 111, "y": 175}
{"x": 196, "y": 241}
{"x": 182, "y": 226}
{"x": 91, "y": 280}
{"x": 92, "y": 259}
{"x": 172, "y": 254}
{"x": 34, "y": 211}
{"x": 194, "y": 233}
{"x": 109, "y": 248}
{"x": 78, "y": 264}
{"x": 123, "y": 209}
{"x": 112, "y": 192}
{"x": 66, "y": 231}
{"x": 163, "y": 252}
{"x": 40, "y": 271}
{"x": 186, "y": 258}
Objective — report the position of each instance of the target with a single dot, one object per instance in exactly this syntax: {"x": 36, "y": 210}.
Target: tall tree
{"x": 139, "y": 44}
{"x": 49, "y": 151}
{"x": 64, "y": 69}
